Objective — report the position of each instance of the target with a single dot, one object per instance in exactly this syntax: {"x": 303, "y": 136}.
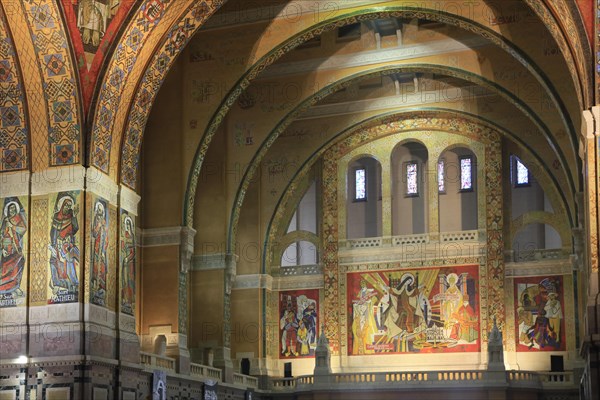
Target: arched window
{"x": 457, "y": 190}
{"x": 409, "y": 189}
{"x": 299, "y": 253}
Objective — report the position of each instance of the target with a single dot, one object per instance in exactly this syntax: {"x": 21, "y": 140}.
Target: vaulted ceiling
{"x": 78, "y": 77}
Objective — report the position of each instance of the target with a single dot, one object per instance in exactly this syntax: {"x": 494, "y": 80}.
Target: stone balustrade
{"x": 245, "y": 380}
{"x": 430, "y": 379}
{"x": 204, "y": 371}
{"x": 421, "y": 238}
{"x": 156, "y": 361}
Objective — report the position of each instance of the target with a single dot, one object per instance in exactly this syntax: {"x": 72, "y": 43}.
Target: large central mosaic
{"x": 429, "y": 310}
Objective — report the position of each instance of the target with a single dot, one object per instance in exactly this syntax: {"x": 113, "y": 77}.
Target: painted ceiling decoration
{"x": 14, "y": 127}
{"x": 93, "y": 26}
{"x": 367, "y": 14}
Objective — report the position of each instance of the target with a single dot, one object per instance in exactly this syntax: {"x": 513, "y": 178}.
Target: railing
{"x": 301, "y": 270}
{"x": 283, "y": 384}
{"x": 410, "y": 239}
{"x": 154, "y": 360}
{"x": 364, "y": 243}
{"x": 420, "y": 238}
{"x": 537, "y": 254}
{"x": 205, "y": 371}
{"x": 551, "y": 379}
{"x": 520, "y": 379}
{"x": 460, "y": 236}
{"x": 245, "y": 380}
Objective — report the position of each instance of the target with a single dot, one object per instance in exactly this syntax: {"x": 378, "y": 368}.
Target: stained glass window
{"x": 441, "y": 177}
{"x": 466, "y": 173}
{"x": 522, "y": 173}
{"x": 360, "y": 180}
{"x": 412, "y": 178}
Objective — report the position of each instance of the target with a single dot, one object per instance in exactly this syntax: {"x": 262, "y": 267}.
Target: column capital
{"x": 59, "y": 179}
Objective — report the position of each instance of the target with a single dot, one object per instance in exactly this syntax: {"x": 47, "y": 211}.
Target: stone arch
{"x": 282, "y": 125}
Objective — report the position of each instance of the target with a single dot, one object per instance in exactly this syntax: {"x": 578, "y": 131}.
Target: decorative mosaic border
{"x": 61, "y": 98}
{"x": 136, "y": 35}
{"x": 14, "y": 120}
{"x": 175, "y": 40}
{"x": 342, "y": 20}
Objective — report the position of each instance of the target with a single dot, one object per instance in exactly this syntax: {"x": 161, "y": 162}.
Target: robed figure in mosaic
{"x": 127, "y": 266}
{"x": 99, "y": 247}
{"x": 12, "y": 257}
{"x": 64, "y": 253}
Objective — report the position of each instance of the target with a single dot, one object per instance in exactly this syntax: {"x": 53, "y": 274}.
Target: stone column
{"x": 589, "y": 152}
{"x": 167, "y": 252}
{"x": 100, "y": 273}
{"x": 128, "y": 271}
{"x": 14, "y": 196}
{"x": 386, "y": 196}
{"x": 57, "y": 285}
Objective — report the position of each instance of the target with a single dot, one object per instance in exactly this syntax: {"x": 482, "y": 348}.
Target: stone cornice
{"x": 58, "y": 179}
{"x": 168, "y": 236}
{"x": 99, "y": 183}
{"x": 535, "y": 268}
{"x": 129, "y": 200}
{"x": 14, "y": 184}
{"x": 207, "y": 262}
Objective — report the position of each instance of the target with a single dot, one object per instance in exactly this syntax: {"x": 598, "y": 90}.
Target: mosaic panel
{"x": 428, "y": 310}
{"x": 492, "y": 294}
{"x": 14, "y": 129}
{"x": 99, "y": 265}
{"x": 13, "y": 252}
{"x": 127, "y": 263}
{"x": 60, "y": 87}
{"x": 39, "y": 251}
{"x": 539, "y": 320}
{"x": 302, "y": 37}
{"x": 93, "y": 24}
{"x": 145, "y": 20}
{"x": 298, "y": 323}
{"x": 63, "y": 248}
{"x": 176, "y": 39}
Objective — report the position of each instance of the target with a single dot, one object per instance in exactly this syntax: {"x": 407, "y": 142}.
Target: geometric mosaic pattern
{"x": 174, "y": 42}
{"x": 60, "y": 88}
{"x": 145, "y": 20}
{"x": 14, "y": 130}
{"x": 90, "y": 50}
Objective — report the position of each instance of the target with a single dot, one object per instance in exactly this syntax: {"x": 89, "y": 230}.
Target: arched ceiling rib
{"x": 345, "y": 19}
{"x": 308, "y": 101}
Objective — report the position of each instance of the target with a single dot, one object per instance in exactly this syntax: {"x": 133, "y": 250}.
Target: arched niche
{"x": 457, "y": 192}
{"x": 532, "y": 239}
{"x": 363, "y": 205}
{"x": 409, "y": 203}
